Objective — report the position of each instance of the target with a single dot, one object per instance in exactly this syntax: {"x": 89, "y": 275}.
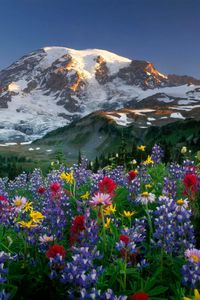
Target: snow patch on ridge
{"x": 122, "y": 119}
{"x": 17, "y": 86}
{"x": 177, "y": 116}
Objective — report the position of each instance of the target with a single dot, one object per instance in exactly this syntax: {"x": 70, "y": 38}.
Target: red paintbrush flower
{"x": 190, "y": 180}
{"x": 78, "y": 223}
{"x": 41, "y": 190}
{"x": 55, "y": 187}
{"x": 55, "y": 250}
{"x": 3, "y": 199}
{"x": 124, "y": 238}
{"x": 131, "y": 175}
{"x": 139, "y": 296}
{"x": 107, "y": 185}
{"x": 191, "y": 185}
{"x": 77, "y": 226}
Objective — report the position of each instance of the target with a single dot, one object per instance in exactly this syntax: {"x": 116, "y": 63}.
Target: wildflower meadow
{"x": 114, "y": 234}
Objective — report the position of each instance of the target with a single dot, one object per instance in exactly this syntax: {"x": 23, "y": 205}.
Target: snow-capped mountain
{"x": 53, "y": 86}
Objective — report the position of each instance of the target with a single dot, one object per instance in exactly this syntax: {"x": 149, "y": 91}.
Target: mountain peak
{"x": 52, "y": 86}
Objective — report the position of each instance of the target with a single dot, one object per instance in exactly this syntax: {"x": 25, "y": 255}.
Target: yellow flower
{"x": 107, "y": 223}
{"x": 195, "y": 258}
{"x": 148, "y": 161}
{"x": 28, "y": 224}
{"x": 85, "y": 196}
{"x": 148, "y": 186}
{"x": 196, "y": 295}
{"x": 128, "y": 214}
{"x": 36, "y": 216}
{"x": 141, "y": 148}
{"x": 180, "y": 202}
{"x": 145, "y": 194}
{"x": 63, "y": 176}
{"x": 18, "y": 202}
{"x": 28, "y": 207}
{"x": 108, "y": 210}
{"x": 68, "y": 177}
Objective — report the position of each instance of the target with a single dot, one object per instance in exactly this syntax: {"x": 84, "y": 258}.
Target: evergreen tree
{"x": 122, "y": 150}
{"x": 96, "y": 165}
{"x": 59, "y": 156}
{"x": 79, "y": 157}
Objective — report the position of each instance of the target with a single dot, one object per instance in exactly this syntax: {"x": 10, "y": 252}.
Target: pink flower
{"x": 193, "y": 255}
{"x": 19, "y": 203}
{"x": 100, "y": 199}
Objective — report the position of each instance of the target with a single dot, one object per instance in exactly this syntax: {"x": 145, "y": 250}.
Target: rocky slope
{"x": 53, "y": 86}
{"x": 99, "y": 133}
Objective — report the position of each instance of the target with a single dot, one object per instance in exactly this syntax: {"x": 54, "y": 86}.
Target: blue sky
{"x": 165, "y": 32}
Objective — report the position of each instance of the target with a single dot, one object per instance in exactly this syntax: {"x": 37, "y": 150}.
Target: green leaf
{"x": 157, "y": 290}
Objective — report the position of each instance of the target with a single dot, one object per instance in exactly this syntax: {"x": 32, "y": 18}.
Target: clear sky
{"x": 165, "y": 32}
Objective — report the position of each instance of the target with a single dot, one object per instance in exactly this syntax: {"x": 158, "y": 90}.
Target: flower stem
{"x": 149, "y": 222}
{"x": 125, "y": 267}
{"x": 103, "y": 223}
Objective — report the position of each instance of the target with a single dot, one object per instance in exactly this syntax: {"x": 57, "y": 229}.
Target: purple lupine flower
{"x": 126, "y": 244}
{"x": 169, "y": 188}
{"x": 175, "y": 171}
{"x": 143, "y": 174}
{"x": 81, "y": 174}
{"x": 130, "y": 242}
{"x": 98, "y": 295}
{"x": 134, "y": 188}
{"x": 19, "y": 182}
{"x": 56, "y": 264}
{"x": 189, "y": 166}
{"x": 157, "y": 154}
{"x": 4, "y": 258}
{"x": 6, "y": 212}
{"x": 4, "y": 295}
{"x": 174, "y": 231}
{"x": 80, "y": 272}
{"x": 191, "y": 270}
{"x": 138, "y": 230}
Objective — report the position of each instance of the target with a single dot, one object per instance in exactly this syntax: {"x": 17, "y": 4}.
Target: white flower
{"x": 134, "y": 162}
{"x": 145, "y": 198}
{"x": 183, "y": 150}
{"x": 46, "y": 239}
